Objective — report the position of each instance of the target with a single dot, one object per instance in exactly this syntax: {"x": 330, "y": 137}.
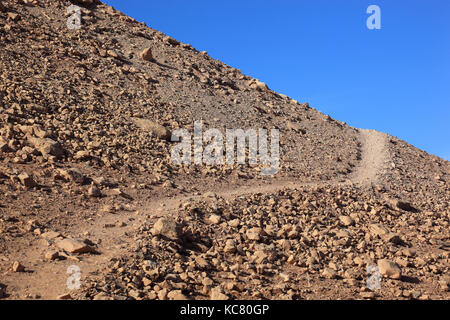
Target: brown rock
{"x": 402, "y": 205}
{"x": 73, "y": 174}
{"x": 329, "y": 273}
{"x": 82, "y": 155}
{"x": 405, "y": 206}
{"x": 51, "y": 235}
{"x": 162, "y": 294}
{"x": 171, "y": 41}
{"x": 230, "y": 246}
{"x": 154, "y": 128}
{"x": 377, "y": 229}
{"x": 445, "y": 282}
{"x": 4, "y": 147}
{"x": 146, "y": 54}
{"x": 166, "y": 227}
{"x": 51, "y": 255}
{"x": 389, "y": 269}
{"x": 254, "y": 234}
{"x": 26, "y": 180}
{"x": 13, "y": 16}
{"x": 367, "y": 295}
{"x": 258, "y": 85}
{"x": 94, "y": 191}
{"x": 346, "y": 220}
{"x": 176, "y": 295}
{"x": 294, "y": 126}
{"x": 392, "y": 237}
{"x": 65, "y": 296}
{"x": 201, "y": 262}
{"x": 47, "y": 146}
{"x": 102, "y": 296}
{"x": 18, "y": 267}
{"x": 214, "y": 219}
{"x": 409, "y": 252}
{"x": 73, "y": 246}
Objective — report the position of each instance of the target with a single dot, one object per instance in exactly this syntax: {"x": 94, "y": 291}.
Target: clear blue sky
{"x": 395, "y": 80}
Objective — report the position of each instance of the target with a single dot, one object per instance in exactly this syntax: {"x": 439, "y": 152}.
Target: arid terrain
{"x": 86, "y": 178}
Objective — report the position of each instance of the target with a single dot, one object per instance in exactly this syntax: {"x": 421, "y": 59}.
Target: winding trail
{"x": 372, "y": 165}
{"x": 115, "y": 241}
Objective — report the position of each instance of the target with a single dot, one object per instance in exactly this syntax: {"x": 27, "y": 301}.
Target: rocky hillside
{"x": 86, "y": 177}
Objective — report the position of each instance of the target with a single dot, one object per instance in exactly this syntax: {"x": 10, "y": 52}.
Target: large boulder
{"x": 389, "y": 269}
{"x": 154, "y": 128}
{"x": 166, "y": 227}
{"x": 46, "y": 146}
{"x": 73, "y": 246}
{"x": 147, "y": 55}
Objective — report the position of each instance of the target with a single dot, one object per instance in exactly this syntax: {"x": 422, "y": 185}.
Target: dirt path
{"x": 48, "y": 280}
{"x": 374, "y": 155}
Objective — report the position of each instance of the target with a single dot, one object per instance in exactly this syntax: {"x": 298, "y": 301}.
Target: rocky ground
{"x": 86, "y": 178}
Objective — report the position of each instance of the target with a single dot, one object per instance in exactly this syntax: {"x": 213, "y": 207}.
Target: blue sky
{"x": 395, "y": 80}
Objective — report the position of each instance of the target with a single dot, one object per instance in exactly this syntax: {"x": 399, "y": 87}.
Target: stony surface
{"x": 86, "y": 178}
